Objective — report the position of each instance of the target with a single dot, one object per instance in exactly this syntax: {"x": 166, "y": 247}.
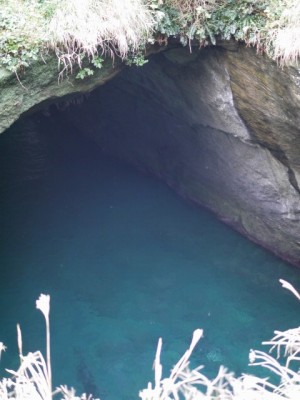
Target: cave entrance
{"x": 124, "y": 258}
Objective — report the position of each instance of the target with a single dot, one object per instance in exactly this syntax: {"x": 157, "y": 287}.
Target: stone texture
{"x": 221, "y": 127}
{"x": 268, "y": 101}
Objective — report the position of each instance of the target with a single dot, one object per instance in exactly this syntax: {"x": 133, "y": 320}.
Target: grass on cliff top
{"x": 272, "y": 26}
{"x": 73, "y": 29}
{"x": 84, "y": 28}
{"x": 77, "y": 30}
{"x": 283, "y": 30}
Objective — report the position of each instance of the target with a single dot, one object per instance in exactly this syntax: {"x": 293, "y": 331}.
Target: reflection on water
{"x": 125, "y": 261}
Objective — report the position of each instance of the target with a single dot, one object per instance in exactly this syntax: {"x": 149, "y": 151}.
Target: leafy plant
{"x": 84, "y": 73}
{"x": 97, "y": 62}
{"x": 136, "y": 59}
{"x": 243, "y": 20}
{"x": 206, "y": 20}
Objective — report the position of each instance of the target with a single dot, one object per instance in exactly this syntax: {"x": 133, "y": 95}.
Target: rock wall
{"x": 220, "y": 126}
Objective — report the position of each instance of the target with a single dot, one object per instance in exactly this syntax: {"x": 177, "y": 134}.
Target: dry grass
{"x": 187, "y": 384}
{"x": 32, "y": 381}
{"x": 75, "y": 29}
{"x": 82, "y": 28}
{"x": 283, "y": 31}
{"x": 183, "y": 382}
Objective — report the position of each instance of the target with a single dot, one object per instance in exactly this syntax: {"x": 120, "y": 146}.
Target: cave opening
{"x": 125, "y": 259}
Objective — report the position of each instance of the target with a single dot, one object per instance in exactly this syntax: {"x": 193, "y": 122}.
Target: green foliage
{"x": 241, "y": 20}
{"x": 272, "y": 26}
{"x": 96, "y": 62}
{"x": 19, "y": 46}
{"x": 48, "y": 8}
{"x": 84, "y": 73}
{"x": 182, "y": 19}
{"x": 17, "y": 55}
{"x": 168, "y": 23}
{"x": 205, "y": 21}
{"x": 137, "y": 59}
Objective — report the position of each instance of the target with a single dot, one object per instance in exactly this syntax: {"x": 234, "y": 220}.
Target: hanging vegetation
{"x": 82, "y": 33}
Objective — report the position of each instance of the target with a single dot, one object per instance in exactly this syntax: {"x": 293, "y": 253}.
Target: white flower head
{"x": 43, "y": 304}
{"x": 2, "y": 348}
{"x": 290, "y": 287}
{"x": 252, "y": 356}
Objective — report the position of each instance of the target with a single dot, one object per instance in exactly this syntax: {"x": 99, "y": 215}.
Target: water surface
{"x": 126, "y": 261}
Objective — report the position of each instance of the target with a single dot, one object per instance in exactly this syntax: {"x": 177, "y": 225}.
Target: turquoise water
{"x": 126, "y": 261}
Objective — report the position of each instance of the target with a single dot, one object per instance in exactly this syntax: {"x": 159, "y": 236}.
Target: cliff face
{"x": 220, "y": 126}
